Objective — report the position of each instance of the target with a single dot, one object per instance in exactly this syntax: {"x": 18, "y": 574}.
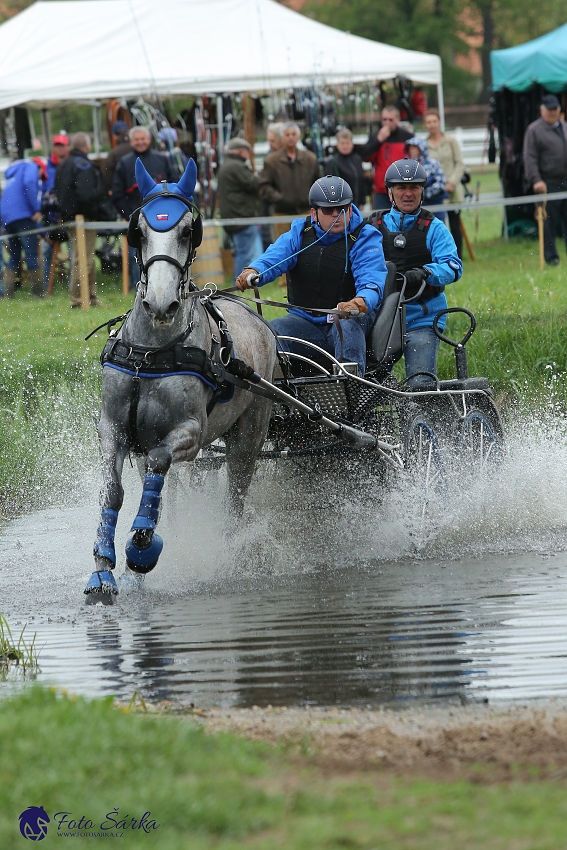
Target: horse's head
{"x": 165, "y": 231}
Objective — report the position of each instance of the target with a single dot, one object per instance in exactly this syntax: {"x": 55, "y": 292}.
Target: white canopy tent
{"x": 90, "y": 50}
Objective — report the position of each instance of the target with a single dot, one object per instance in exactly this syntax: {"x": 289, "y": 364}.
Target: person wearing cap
{"x": 545, "y": 168}
{"x": 423, "y": 250}
{"x": 332, "y": 259}
{"x": 238, "y": 198}
{"x": 121, "y": 147}
{"x": 20, "y": 211}
{"x": 60, "y": 147}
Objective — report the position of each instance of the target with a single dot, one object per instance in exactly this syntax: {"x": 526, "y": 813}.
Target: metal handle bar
{"x": 417, "y": 294}
{"x": 468, "y": 334}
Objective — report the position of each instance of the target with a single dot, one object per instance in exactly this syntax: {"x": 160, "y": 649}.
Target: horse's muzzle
{"x": 159, "y": 315}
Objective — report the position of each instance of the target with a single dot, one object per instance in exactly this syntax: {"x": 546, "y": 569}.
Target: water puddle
{"x": 324, "y": 595}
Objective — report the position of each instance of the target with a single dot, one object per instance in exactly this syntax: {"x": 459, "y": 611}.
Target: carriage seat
{"x": 385, "y": 342}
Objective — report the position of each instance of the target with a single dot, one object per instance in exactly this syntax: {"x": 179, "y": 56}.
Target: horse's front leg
{"x": 101, "y": 587}
{"x": 144, "y": 545}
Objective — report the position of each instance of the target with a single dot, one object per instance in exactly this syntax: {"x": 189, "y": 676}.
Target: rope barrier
{"x": 122, "y": 226}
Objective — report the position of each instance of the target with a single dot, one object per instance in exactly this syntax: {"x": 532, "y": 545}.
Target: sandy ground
{"x": 479, "y": 743}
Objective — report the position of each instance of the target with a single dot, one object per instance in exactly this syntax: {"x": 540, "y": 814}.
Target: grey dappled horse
{"x": 160, "y": 393}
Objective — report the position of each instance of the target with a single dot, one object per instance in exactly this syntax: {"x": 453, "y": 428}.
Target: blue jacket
{"x": 22, "y": 193}
{"x": 445, "y": 268}
{"x": 366, "y": 259}
{"x": 435, "y": 174}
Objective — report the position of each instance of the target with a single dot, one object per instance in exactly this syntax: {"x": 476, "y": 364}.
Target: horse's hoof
{"x": 142, "y": 560}
{"x": 101, "y": 587}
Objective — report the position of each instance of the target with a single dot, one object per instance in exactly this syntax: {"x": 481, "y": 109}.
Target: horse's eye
{"x": 186, "y": 232}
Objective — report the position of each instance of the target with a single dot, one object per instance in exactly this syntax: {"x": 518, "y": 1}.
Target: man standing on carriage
{"x": 424, "y": 250}
{"x": 331, "y": 259}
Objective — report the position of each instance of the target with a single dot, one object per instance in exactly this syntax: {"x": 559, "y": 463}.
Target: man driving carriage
{"x": 332, "y": 259}
{"x": 424, "y": 250}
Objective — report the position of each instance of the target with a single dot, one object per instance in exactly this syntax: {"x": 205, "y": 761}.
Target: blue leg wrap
{"x": 143, "y": 560}
{"x": 104, "y": 543}
{"x": 148, "y": 512}
{"x": 102, "y": 582}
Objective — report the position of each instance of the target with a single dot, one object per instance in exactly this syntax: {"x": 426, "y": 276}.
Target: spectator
{"x": 545, "y": 165}
{"x": 121, "y": 148}
{"x": 171, "y": 150}
{"x": 125, "y": 193}
{"x": 60, "y": 147}
{"x": 238, "y": 198}
{"x": 20, "y": 209}
{"x": 81, "y": 190}
{"x": 434, "y": 192}
{"x": 446, "y": 149}
{"x": 383, "y": 149}
{"x": 287, "y": 177}
{"x": 274, "y": 136}
{"x": 347, "y": 164}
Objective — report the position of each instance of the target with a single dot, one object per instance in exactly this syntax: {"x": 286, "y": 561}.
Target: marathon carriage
{"x": 323, "y": 408}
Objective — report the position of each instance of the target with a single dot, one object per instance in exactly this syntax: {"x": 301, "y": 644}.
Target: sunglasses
{"x": 334, "y": 210}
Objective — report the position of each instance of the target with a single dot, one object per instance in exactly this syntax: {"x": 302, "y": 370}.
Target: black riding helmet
{"x": 405, "y": 171}
{"x": 330, "y": 191}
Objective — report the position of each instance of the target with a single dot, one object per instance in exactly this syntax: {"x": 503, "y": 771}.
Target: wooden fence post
{"x": 125, "y": 265}
{"x": 82, "y": 261}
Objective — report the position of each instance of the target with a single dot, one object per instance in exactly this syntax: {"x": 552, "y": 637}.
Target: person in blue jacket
{"x": 332, "y": 259}
{"x": 20, "y": 211}
{"x": 422, "y": 249}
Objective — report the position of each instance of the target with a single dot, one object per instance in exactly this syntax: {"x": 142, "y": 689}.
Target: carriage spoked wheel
{"x": 424, "y": 464}
{"x": 479, "y": 446}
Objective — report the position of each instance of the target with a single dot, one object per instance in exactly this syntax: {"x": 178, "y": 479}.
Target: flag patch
{"x": 162, "y": 216}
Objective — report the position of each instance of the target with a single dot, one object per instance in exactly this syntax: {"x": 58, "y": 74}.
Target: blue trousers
{"x": 420, "y": 353}
{"x": 17, "y": 244}
{"x": 247, "y": 246}
{"x": 326, "y": 336}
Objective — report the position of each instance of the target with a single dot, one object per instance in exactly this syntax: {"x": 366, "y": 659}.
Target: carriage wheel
{"x": 479, "y": 444}
{"x": 424, "y": 463}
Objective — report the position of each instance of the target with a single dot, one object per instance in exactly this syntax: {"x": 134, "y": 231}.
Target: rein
{"x": 331, "y": 311}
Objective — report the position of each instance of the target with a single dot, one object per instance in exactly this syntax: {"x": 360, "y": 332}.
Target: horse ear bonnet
{"x": 133, "y": 235}
{"x": 164, "y": 210}
{"x": 162, "y": 214}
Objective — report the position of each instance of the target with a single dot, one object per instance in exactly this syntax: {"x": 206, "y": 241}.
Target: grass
{"x": 223, "y": 792}
{"x": 21, "y": 653}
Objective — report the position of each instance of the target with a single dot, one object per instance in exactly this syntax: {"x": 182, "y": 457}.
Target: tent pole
{"x": 220, "y": 130}
{"x": 46, "y": 134}
{"x": 96, "y": 128}
{"x": 441, "y": 105}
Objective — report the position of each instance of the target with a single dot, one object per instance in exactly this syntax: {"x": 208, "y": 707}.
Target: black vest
{"x": 318, "y": 280}
{"x": 415, "y": 253}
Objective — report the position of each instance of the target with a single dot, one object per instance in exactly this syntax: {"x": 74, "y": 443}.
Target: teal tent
{"x": 542, "y": 61}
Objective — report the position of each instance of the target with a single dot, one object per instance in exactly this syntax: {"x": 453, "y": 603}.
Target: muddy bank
{"x": 479, "y": 743}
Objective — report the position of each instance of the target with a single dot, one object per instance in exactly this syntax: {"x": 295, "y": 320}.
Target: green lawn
{"x": 223, "y": 792}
